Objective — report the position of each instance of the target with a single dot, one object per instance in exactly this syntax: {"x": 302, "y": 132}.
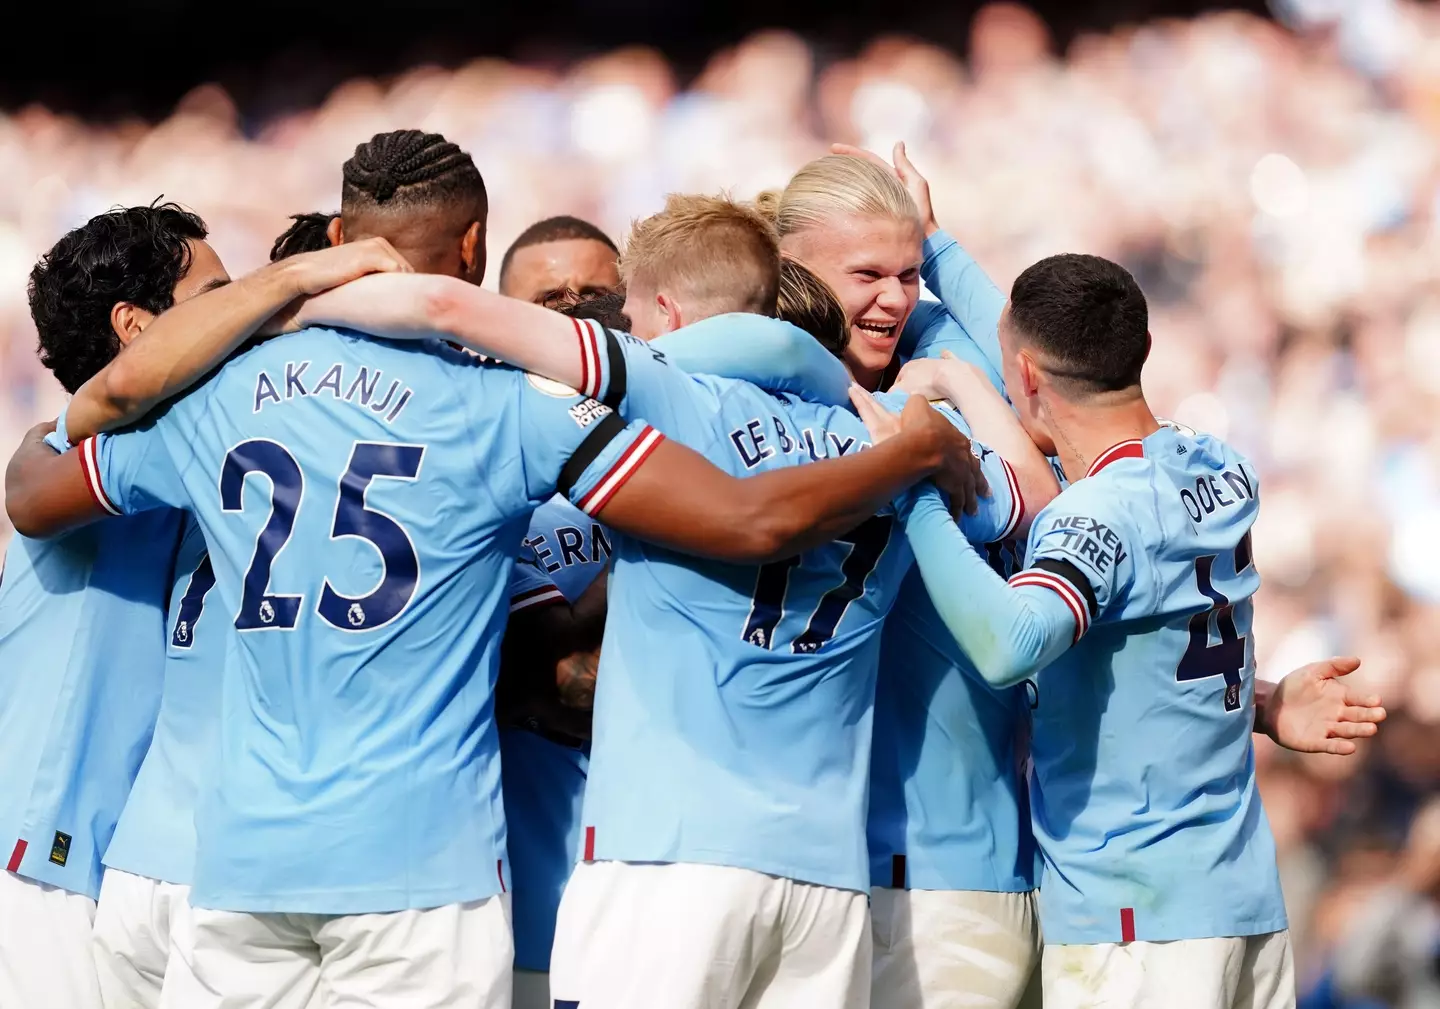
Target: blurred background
{"x": 1271, "y": 173}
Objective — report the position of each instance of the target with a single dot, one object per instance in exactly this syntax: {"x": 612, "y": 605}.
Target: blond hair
{"x": 807, "y": 301}
{"x": 722, "y": 255}
{"x": 837, "y": 185}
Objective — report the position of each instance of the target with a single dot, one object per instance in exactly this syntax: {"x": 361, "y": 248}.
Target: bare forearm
{"x": 410, "y": 307}
{"x": 679, "y": 500}
{"x": 176, "y": 350}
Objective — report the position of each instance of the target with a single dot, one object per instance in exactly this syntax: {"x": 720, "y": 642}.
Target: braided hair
{"x": 308, "y": 233}
{"x": 409, "y": 167}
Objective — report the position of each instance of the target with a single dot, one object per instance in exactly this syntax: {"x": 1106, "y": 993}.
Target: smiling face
{"x": 873, "y": 266}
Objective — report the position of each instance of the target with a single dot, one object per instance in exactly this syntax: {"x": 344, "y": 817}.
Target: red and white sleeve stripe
{"x": 624, "y": 467}
{"x": 1067, "y": 592}
{"x": 587, "y": 331}
{"x": 1017, "y": 502}
{"x": 540, "y": 595}
{"x": 90, "y": 466}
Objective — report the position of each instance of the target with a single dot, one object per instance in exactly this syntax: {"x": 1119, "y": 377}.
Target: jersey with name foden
{"x": 1144, "y": 799}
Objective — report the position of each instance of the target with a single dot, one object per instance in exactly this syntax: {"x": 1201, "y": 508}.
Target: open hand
{"x": 1313, "y": 711}
{"x": 908, "y": 175}
{"x": 326, "y": 268}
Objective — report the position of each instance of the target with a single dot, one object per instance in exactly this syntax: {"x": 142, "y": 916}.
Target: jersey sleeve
{"x": 131, "y": 471}
{"x": 576, "y": 445}
{"x": 1008, "y": 632}
{"x": 998, "y": 514}
{"x": 770, "y": 353}
{"x": 530, "y": 585}
{"x": 1081, "y": 548}
{"x": 970, "y": 300}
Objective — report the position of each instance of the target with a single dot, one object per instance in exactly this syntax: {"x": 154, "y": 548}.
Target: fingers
{"x": 1353, "y": 730}
{"x": 851, "y": 151}
{"x": 902, "y": 162}
{"x": 1342, "y": 665}
{"x": 876, "y": 418}
{"x": 1339, "y": 747}
{"x": 1367, "y": 710}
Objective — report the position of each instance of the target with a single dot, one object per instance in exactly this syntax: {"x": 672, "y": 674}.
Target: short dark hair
{"x": 1088, "y": 316}
{"x": 606, "y": 309}
{"x": 407, "y": 168}
{"x": 555, "y": 229}
{"x": 307, "y": 233}
{"x": 131, "y": 254}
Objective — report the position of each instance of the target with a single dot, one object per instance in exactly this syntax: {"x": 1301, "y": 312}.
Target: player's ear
{"x": 128, "y": 320}
{"x": 335, "y": 231}
{"x": 670, "y": 312}
{"x": 1029, "y": 373}
{"x": 1149, "y": 343}
{"x": 472, "y": 252}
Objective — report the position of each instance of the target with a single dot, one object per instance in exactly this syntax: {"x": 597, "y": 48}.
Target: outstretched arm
{"x": 770, "y": 353}
{"x": 679, "y": 500}
{"x": 1312, "y": 711}
{"x": 185, "y": 343}
{"x": 419, "y": 307}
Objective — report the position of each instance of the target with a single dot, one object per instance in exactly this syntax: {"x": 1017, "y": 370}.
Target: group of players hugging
{"x": 712, "y": 626}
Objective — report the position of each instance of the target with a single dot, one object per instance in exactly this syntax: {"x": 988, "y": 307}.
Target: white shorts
{"x": 438, "y": 958}
{"x": 132, "y": 941}
{"x": 1239, "y": 972}
{"x": 688, "y": 936}
{"x": 531, "y": 989}
{"x": 45, "y": 960}
{"x": 948, "y": 949}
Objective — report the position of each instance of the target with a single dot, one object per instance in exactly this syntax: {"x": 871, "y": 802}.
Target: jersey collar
{"x": 1132, "y": 449}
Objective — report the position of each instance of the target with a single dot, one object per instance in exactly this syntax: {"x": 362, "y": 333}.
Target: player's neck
{"x": 1084, "y": 431}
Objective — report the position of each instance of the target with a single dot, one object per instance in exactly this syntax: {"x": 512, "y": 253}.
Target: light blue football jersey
{"x": 1143, "y": 793}
{"x": 363, "y": 502}
{"x": 156, "y": 833}
{"x": 81, "y": 662}
{"x": 544, "y": 780}
{"x": 564, "y": 551}
{"x": 544, "y": 790}
{"x": 733, "y": 705}
{"x": 948, "y": 808}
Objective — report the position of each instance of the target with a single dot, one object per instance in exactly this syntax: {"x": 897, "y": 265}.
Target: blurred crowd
{"x": 1274, "y": 186}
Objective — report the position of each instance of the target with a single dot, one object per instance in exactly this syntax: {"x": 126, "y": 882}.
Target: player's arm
{"x": 45, "y": 490}
{"x": 183, "y": 344}
{"x": 1312, "y": 711}
{"x": 551, "y": 647}
{"x": 770, "y": 353}
{"x": 1010, "y": 631}
{"x": 48, "y": 492}
{"x": 660, "y": 491}
{"x": 420, "y": 307}
{"x": 991, "y": 421}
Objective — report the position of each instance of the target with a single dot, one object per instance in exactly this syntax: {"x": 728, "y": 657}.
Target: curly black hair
{"x": 132, "y": 254}
{"x": 607, "y": 309}
{"x": 308, "y": 233}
